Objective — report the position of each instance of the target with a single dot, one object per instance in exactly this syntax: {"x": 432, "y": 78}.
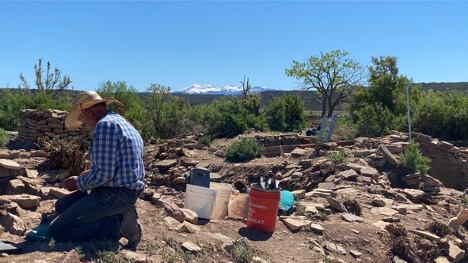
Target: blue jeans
{"x": 83, "y": 217}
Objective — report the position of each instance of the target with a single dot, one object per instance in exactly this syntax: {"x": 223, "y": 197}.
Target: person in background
{"x": 102, "y": 205}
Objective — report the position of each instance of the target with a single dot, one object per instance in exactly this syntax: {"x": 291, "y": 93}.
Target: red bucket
{"x": 263, "y": 210}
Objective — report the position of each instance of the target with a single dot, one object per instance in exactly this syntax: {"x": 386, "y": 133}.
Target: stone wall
{"x": 35, "y": 124}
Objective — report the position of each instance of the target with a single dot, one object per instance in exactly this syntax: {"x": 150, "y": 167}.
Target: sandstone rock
{"x": 132, "y": 256}
{"x": 7, "y": 154}
{"x": 295, "y": 224}
{"x": 296, "y": 175}
{"x": 190, "y": 228}
{"x": 389, "y": 156}
{"x": 56, "y": 175}
{"x": 9, "y": 164}
{"x": 425, "y": 234}
{"x": 227, "y": 241}
{"x": 298, "y": 153}
{"x": 391, "y": 219}
{"x": 337, "y": 205}
{"x": 298, "y": 194}
{"x": 317, "y": 228}
{"x": 413, "y": 194}
{"x": 24, "y": 201}
{"x": 351, "y": 218}
{"x": 166, "y": 164}
{"x": 334, "y": 248}
{"x": 179, "y": 180}
{"x": 71, "y": 257}
{"x": 455, "y": 252}
{"x": 378, "y": 202}
{"x": 13, "y": 224}
{"x": 56, "y": 192}
{"x": 15, "y": 187}
{"x": 172, "y": 223}
{"x": 171, "y": 209}
{"x": 31, "y": 173}
{"x": 319, "y": 192}
{"x": 190, "y": 216}
{"x": 380, "y": 224}
{"x": 355, "y": 253}
{"x": 327, "y": 185}
{"x": 189, "y": 246}
{"x": 383, "y": 211}
{"x": 349, "y": 175}
{"x": 441, "y": 260}
{"x": 369, "y": 171}
{"x": 364, "y": 152}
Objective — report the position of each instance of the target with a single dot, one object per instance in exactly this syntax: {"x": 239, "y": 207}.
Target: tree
{"x": 331, "y": 74}
{"x": 51, "y": 83}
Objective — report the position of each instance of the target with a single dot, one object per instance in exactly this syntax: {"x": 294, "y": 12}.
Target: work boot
{"x": 130, "y": 228}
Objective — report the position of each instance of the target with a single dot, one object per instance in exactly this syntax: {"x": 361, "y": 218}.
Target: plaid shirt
{"x": 116, "y": 154}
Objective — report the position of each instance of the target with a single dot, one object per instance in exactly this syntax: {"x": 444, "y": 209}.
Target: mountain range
{"x": 219, "y": 90}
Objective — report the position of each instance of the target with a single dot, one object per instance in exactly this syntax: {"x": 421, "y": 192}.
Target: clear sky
{"x": 181, "y": 43}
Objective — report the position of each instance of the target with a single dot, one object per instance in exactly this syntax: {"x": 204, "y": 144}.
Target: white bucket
{"x": 222, "y": 199}
{"x": 201, "y": 200}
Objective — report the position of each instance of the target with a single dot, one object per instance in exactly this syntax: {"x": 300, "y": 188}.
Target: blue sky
{"x": 181, "y": 43}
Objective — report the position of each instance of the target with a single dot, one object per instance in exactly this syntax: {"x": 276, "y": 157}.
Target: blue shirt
{"x": 116, "y": 155}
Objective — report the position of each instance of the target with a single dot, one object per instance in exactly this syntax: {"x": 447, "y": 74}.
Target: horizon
{"x": 178, "y": 44}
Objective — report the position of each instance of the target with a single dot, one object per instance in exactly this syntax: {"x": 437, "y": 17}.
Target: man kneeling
{"x": 103, "y": 204}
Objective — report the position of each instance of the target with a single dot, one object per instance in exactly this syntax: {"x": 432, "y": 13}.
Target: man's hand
{"x": 84, "y": 173}
{"x": 70, "y": 183}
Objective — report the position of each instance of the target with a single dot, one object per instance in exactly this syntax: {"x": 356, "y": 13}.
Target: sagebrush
{"x": 243, "y": 150}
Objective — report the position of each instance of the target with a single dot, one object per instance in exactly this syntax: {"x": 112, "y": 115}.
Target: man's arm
{"x": 104, "y": 157}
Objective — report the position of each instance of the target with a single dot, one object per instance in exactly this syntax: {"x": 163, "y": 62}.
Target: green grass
{"x": 241, "y": 253}
{"x": 337, "y": 158}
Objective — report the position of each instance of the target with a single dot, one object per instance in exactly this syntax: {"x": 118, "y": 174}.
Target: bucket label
{"x": 257, "y": 221}
{"x": 258, "y": 206}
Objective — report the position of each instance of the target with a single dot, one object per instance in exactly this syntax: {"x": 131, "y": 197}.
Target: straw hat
{"x": 84, "y": 100}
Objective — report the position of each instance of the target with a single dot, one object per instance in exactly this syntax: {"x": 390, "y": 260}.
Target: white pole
{"x": 409, "y": 113}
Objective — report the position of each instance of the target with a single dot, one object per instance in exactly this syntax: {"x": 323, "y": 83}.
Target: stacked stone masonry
{"x": 35, "y": 124}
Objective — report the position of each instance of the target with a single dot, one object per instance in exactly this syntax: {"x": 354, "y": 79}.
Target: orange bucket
{"x": 263, "y": 210}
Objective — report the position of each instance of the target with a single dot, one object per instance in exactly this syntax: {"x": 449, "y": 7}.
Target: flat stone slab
{"x": 380, "y": 224}
{"x": 24, "y": 201}
{"x": 295, "y": 224}
{"x": 9, "y": 164}
{"x": 351, "y": 218}
{"x": 425, "y": 234}
{"x": 166, "y": 163}
{"x": 56, "y": 192}
{"x": 348, "y": 175}
{"x": 334, "y": 248}
{"x": 386, "y": 211}
{"x": 335, "y": 204}
{"x": 317, "y": 228}
{"x": 189, "y": 246}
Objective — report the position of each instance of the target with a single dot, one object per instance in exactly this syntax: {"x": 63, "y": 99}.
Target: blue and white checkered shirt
{"x": 116, "y": 155}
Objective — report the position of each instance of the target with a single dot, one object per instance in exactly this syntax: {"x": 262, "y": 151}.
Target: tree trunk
{"x": 330, "y": 107}
{"x": 324, "y": 105}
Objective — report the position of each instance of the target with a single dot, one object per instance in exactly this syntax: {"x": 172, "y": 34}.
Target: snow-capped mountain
{"x": 217, "y": 90}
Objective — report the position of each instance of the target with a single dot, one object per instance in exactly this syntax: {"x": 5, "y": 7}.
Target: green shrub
{"x": 243, "y": 150}
{"x": 4, "y": 137}
{"x": 374, "y": 120}
{"x": 413, "y": 158}
{"x": 205, "y": 140}
{"x": 242, "y": 253}
{"x": 443, "y": 115}
{"x": 230, "y": 117}
{"x": 337, "y": 157}
{"x": 286, "y": 113}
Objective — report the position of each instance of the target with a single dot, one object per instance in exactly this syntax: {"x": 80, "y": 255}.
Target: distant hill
{"x": 203, "y": 94}
{"x": 441, "y": 86}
